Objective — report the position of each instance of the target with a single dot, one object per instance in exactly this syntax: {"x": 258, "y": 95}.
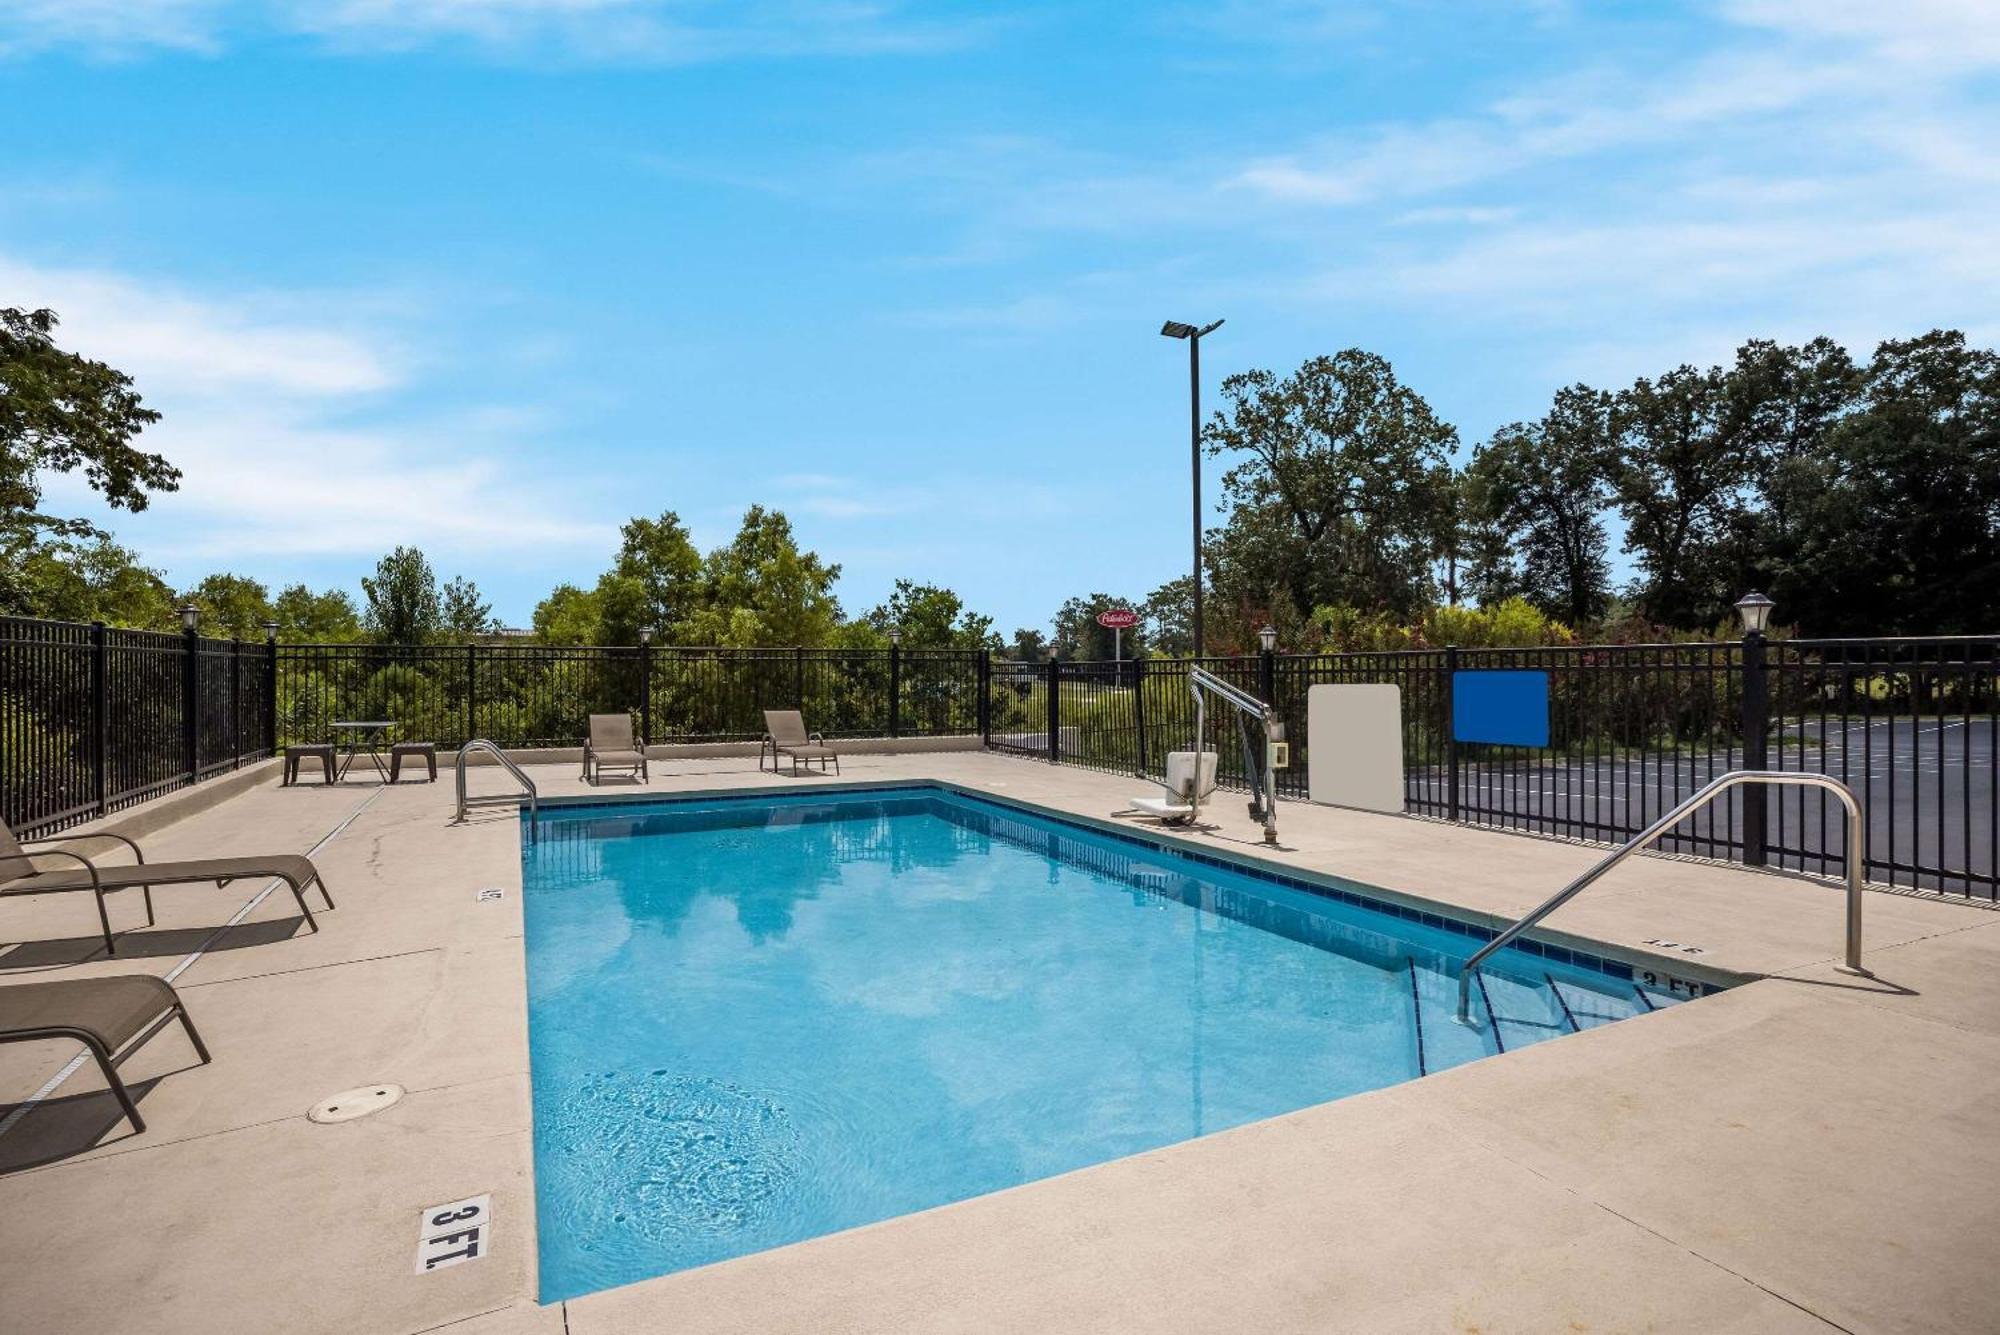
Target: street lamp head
{"x": 1755, "y": 609}
{"x": 1176, "y": 329}
{"x": 271, "y": 632}
{"x": 1268, "y": 637}
{"x": 190, "y": 616}
{"x": 646, "y": 634}
{"x": 895, "y": 635}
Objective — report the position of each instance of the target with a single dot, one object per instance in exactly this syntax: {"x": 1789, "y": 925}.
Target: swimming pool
{"x": 757, "y": 1020}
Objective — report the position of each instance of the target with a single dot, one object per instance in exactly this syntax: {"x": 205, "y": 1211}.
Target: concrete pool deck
{"x": 1804, "y": 1152}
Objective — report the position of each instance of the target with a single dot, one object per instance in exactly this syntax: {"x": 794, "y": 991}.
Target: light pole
{"x": 1175, "y": 329}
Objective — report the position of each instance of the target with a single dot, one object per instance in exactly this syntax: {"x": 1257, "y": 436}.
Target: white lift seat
{"x": 1181, "y": 781}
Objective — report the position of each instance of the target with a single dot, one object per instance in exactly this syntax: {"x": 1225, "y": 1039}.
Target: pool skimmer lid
{"x": 352, "y": 1103}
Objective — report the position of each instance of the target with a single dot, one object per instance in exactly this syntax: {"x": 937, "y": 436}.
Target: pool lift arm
{"x": 1263, "y": 799}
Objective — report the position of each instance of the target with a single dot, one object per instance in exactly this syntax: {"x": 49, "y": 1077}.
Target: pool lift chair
{"x": 1191, "y": 775}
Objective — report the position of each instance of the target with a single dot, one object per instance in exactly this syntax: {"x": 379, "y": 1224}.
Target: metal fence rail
{"x": 1912, "y": 725}
{"x": 94, "y": 719}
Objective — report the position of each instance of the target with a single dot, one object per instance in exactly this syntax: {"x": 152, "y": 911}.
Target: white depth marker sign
{"x": 453, "y": 1233}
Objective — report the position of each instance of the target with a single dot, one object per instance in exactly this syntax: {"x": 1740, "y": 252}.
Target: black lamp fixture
{"x": 1268, "y": 637}
{"x": 190, "y": 617}
{"x": 1194, "y": 335}
{"x": 646, "y": 634}
{"x": 1755, "y": 609}
{"x": 270, "y": 632}
{"x": 895, "y": 635}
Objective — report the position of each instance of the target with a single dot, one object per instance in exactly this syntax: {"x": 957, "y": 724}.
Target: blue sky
{"x": 491, "y": 276}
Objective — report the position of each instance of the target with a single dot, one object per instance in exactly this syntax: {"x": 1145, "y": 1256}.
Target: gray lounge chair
{"x": 613, "y": 746}
{"x": 20, "y": 874}
{"x": 113, "y": 1017}
{"x": 785, "y": 735}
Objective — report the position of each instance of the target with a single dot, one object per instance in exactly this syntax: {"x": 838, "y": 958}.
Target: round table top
{"x": 364, "y": 723}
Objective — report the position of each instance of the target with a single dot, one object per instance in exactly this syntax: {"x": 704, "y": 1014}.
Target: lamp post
{"x": 1267, "y": 663}
{"x": 190, "y": 618}
{"x": 1193, "y": 335}
{"x": 895, "y": 681}
{"x": 1755, "y": 610}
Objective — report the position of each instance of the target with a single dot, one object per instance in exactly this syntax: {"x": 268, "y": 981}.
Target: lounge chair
{"x": 1185, "y": 792}
{"x": 612, "y": 745}
{"x": 20, "y": 873}
{"x": 113, "y": 1017}
{"x": 785, "y": 735}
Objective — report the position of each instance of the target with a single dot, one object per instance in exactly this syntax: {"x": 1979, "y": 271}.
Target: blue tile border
{"x": 1525, "y": 944}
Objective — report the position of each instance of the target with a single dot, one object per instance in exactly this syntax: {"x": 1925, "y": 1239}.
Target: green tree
{"x": 569, "y": 615}
{"x": 1345, "y": 496}
{"x": 462, "y": 613}
{"x": 1682, "y": 481}
{"x": 1169, "y": 613}
{"x": 315, "y": 618}
{"x": 763, "y": 590}
{"x": 657, "y": 581}
{"x": 60, "y": 412}
{"x": 402, "y": 595}
{"x": 932, "y": 617}
{"x": 82, "y": 578}
{"x": 1893, "y": 521}
{"x": 1029, "y": 646}
{"x": 232, "y": 606}
{"x": 1536, "y": 495}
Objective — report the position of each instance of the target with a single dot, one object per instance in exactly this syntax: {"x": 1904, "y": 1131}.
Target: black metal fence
{"x": 1913, "y": 726}
{"x": 93, "y": 720}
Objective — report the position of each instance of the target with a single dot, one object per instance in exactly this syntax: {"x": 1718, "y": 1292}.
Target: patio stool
{"x": 294, "y": 755}
{"x": 424, "y": 751}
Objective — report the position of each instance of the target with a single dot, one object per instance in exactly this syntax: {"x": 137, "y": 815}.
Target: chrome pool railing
{"x": 1701, "y": 798}
{"x": 497, "y": 799}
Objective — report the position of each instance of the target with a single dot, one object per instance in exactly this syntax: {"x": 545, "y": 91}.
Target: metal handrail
{"x": 1736, "y": 778}
{"x": 1201, "y": 679}
{"x": 497, "y": 799}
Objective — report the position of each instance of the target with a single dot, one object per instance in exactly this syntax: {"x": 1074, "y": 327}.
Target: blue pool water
{"x": 757, "y": 1021}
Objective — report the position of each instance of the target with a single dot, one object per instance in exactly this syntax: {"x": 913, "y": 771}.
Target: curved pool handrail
{"x": 480, "y": 744}
{"x": 1700, "y": 799}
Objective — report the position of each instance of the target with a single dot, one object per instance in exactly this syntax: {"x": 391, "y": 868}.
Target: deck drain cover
{"x": 352, "y": 1103}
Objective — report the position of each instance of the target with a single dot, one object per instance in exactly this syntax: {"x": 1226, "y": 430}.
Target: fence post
{"x": 985, "y": 705}
{"x": 799, "y": 675}
{"x": 1450, "y": 733}
{"x": 100, "y": 711}
{"x": 191, "y": 700}
{"x": 895, "y": 689}
{"x": 271, "y": 689}
{"x": 235, "y": 702}
{"x": 471, "y": 690}
{"x": 1139, "y": 712}
{"x": 1055, "y": 710}
{"x": 1756, "y": 754}
{"x": 646, "y": 688}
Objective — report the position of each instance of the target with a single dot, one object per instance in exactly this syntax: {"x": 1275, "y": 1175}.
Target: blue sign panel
{"x": 1510, "y": 708}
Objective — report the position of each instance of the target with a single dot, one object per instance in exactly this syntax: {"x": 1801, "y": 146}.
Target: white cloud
{"x": 279, "y": 411}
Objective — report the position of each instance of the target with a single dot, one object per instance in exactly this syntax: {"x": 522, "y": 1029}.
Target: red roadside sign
{"x": 1118, "y": 618}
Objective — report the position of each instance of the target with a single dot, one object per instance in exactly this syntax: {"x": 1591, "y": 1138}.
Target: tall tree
{"x": 462, "y": 613}
{"x": 929, "y": 616}
{"x": 402, "y": 598}
{"x": 59, "y": 412}
{"x": 657, "y": 581}
{"x": 232, "y": 606}
{"x": 763, "y": 589}
{"x": 1346, "y": 490}
{"x": 1536, "y": 493}
{"x": 1169, "y": 613}
{"x": 1895, "y": 523}
{"x": 315, "y": 618}
{"x": 1682, "y": 483}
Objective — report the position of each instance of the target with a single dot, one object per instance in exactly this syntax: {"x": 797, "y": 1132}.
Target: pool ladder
{"x": 497, "y": 799}
{"x": 1714, "y": 789}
